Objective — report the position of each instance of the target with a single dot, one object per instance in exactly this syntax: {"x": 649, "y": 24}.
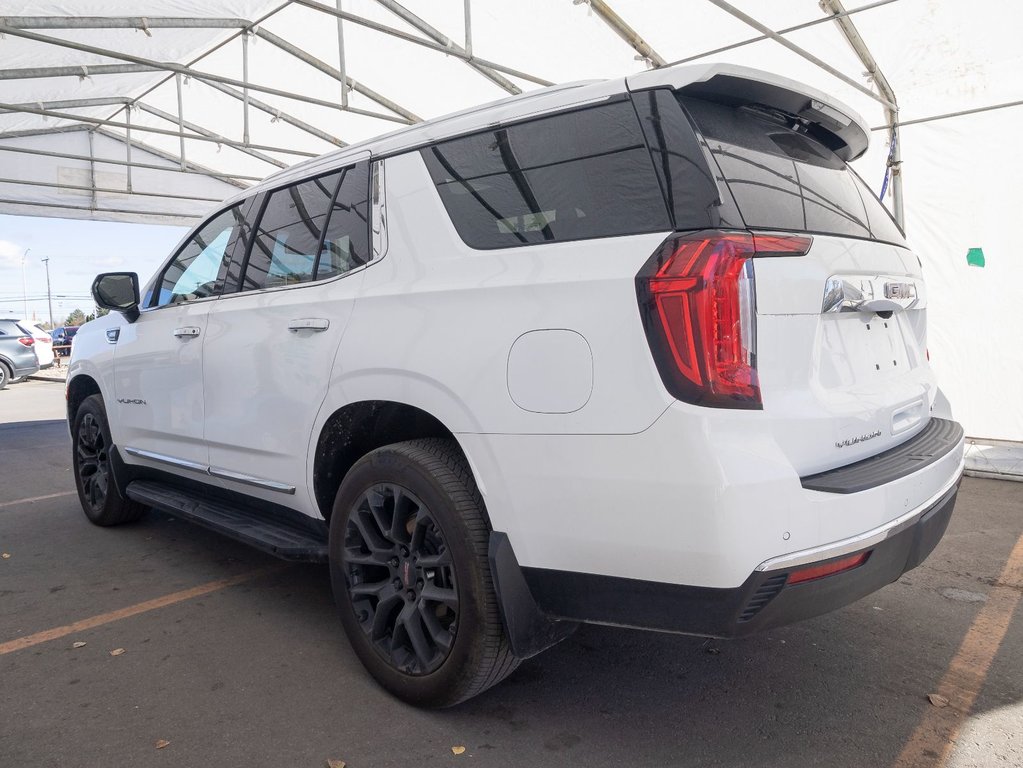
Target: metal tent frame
{"x": 118, "y": 123}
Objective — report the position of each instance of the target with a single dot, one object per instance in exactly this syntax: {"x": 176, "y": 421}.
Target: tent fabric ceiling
{"x": 74, "y": 75}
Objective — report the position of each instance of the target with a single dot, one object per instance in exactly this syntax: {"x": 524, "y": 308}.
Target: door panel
{"x": 270, "y": 347}
{"x": 158, "y": 360}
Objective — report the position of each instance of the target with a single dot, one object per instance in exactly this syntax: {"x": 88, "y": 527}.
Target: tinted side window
{"x": 286, "y": 242}
{"x": 346, "y": 241}
{"x": 687, "y": 178}
{"x": 197, "y": 271}
{"x": 572, "y": 176}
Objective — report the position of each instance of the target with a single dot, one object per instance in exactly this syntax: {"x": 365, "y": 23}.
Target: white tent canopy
{"x": 138, "y": 110}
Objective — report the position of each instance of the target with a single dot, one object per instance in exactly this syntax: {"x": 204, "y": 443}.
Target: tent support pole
{"x": 421, "y": 41}
{"x": 181, "y": 119}
{"x": 765, "y": 30}
{"x": 245, "y": 90}
{"x": 341, "y": 58}
{"x": 408, "y": 17}
{"x": 625, "y": 32}
{"x": 127, "y": 149}
{"x": 891, "y": 112}
{"x": 467, "y": 15}
{"x": 92, "y": 171}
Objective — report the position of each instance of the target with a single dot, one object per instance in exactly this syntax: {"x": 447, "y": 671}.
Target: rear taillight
{"x": 45, "y": 340}
{"x": 28, "y": 341}
{"x": 697, "y": 299}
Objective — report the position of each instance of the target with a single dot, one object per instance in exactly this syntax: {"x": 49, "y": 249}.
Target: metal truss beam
{"x": 81, "y": 70}
{"x": 464, "y": 54}
{"x": 42, "y": 131}
{"x": 74, "y": 103}
{"x": 140, "y": 64}
{"x": 161, "y": 131}
{"x": 765, "y": 30}
{"x": 190, "y": 167}
{"x": 248, "y": 149}
{"x": 322, "y": 66}
{"x": 121, "y": 22}
{"x": 859, "y": 46}
{"x": 408, "y": 17}
{"x": 91, "y": 209}
{"x": 786, "y": 31}
{"x": 278, "y": 114}
{"x": 105, "y": 191}
{"x": 625, "y": 32}
{"x": 228, "y": 178}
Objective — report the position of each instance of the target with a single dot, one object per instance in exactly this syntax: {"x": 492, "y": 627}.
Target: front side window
{"x": 311, "y": 231}
{"x": 571, "y": 176}
{"x": 286, "y": 241}
{"x": 197, "y": 271}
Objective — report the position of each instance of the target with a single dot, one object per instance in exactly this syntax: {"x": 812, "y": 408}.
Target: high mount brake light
{"x": 697, "y": 300}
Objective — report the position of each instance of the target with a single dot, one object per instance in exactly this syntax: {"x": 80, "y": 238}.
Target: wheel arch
{"x": 78, "y": 388}
{"x": 355, "y": 429}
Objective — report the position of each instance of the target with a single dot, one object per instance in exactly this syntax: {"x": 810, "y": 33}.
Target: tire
{"x": 90, "y": 444}
{"x": 408, "y": 560}
{"x": 5, "y": 375}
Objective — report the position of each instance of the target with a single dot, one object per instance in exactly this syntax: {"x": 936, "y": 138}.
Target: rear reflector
{"x": 28, "y": 341}
{"x": 697, "y": 299}
{"x": 815, "y": 572}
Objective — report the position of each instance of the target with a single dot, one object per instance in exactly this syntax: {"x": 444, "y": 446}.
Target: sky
{"x": 78, "y": 250}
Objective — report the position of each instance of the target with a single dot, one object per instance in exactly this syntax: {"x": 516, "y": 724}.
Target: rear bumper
{"x": 764, "y": 600}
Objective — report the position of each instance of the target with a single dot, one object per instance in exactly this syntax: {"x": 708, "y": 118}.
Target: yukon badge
{"x": 130, "y": 401}
{"x": 861, "y": 439}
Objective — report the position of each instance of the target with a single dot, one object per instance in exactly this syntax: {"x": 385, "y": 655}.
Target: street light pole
{"x": 49, "y": 299}
{"x": 24, "y": 285}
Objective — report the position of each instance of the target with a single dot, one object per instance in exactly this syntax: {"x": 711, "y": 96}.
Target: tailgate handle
{"x": 187, "y": 332}
{"x": 872, "y": 295}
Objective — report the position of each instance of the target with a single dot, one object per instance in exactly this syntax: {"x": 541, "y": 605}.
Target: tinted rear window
{"x": 783, "y": 179}
{"x": 571, "y": 176}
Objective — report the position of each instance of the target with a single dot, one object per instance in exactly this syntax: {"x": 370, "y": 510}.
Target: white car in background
{"x": 43, "y": 345}
{"x": 642, "y": 352}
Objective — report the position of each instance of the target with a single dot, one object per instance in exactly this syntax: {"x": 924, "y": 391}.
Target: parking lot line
{"x": 132, "y": 610}
{"x": 31, "y": 499}
{"x": 934, "y": 738}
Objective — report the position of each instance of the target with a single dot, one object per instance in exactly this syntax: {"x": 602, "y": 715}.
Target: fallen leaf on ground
{"x": 335, "y": 763}
{"x": 937, "y": 699}
{"x": 117, "y": 651}
{"x": 78, "y": 644}
{"x": 6, "y": 555}
{"x": 457, "y": 750}
{"x": 161, "y": 743}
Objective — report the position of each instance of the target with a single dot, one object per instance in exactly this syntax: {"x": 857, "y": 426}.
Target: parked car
{"x": 17, "y": 352}
{"x": 642, "y": 352}
{"x": 43, "y": 345}
{"x": 62, "y": 337}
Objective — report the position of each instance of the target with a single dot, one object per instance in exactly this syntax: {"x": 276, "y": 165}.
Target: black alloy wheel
{"x": 92, "y": 462}
{"x": 401, "y": 579}
{"x": 410, "y": 571}
{"x": 93, "y": 457}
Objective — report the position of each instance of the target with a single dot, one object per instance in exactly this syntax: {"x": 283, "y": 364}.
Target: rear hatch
{"x": 839, "y": 345}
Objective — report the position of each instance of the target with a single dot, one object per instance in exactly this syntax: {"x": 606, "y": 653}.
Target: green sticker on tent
{"x": 975, "y": 257}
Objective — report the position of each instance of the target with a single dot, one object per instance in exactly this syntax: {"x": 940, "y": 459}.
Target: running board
{"x": 280, "y": 537}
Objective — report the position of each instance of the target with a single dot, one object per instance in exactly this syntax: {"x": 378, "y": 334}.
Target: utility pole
{"x": 49, "y": 299}
{"x": 24, "y": 285}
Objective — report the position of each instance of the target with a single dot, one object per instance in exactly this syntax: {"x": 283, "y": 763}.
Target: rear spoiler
{"x": 833, "y": 123}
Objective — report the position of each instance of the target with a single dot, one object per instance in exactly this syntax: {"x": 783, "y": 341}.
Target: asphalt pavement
{"x": 235, "y": 659}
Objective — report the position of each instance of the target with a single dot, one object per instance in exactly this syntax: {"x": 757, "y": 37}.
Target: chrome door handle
{"x": 188, "y": 332}
{"x": 309, "y": 324}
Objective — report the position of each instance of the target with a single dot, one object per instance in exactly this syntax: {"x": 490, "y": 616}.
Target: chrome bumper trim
{"x": 862, "y": 540}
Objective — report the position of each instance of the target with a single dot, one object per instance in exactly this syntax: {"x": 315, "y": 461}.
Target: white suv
{"x": 642, "y": 352}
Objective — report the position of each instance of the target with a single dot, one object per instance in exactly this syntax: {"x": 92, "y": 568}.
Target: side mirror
{"x": 118, "y": 291}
